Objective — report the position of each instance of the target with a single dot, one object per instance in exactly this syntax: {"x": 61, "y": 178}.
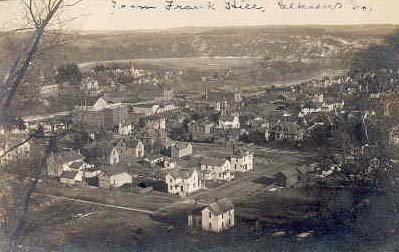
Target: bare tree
{"x": 19, "y": 180}
{"x": 40, "y": 14}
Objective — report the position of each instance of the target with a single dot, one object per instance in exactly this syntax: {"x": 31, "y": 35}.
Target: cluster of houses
{"x": 296, "y": 112}
{"x": 132, "y": 144}
{"x": 126, "y": 164}
{"x": 152, "y": 145}
{"x": 113, "y": 77}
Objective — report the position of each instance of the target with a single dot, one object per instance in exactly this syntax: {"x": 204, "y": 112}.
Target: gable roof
{"x": 114, "y": 143}
{"x": 220, "y": 206}
{"x": 69, "y": 174}
{"x": 181, "y": 145}
{"x": 91, "y": 100}
{"x": 133, "y": 143}
{"x": 113, "y": 99}
{"x": 112, "y": 170}
{"x": 66, "y": 156}
{"x": 240, "y": 152}
{"x": 181, "y": 173}
{"x": 76, "y": 164}
{"x": 214, "y": 161}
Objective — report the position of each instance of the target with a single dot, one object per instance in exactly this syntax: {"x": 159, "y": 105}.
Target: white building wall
{"x": 242, "y": 164}
{"x": 183, "y": 187}
{"x": 217, "y": 223}
{"x": 119, "y": 180}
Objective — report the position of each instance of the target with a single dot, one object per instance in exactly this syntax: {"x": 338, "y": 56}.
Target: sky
{"x": 121, "y": 15}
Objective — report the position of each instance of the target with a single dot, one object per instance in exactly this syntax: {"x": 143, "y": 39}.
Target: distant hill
{"x": 250, "y": 41}
{"x": 196, "y": 42}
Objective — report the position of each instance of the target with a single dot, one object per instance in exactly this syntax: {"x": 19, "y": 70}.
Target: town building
{"x": 242, "y": 161}
{"x": 69, "y": 177}
{"x": 114, "y": 177}
{"x": 125, "y": 148}
{"x": 225, "y": 102}
{"x": 90, "y": 86}
{"x": 218, "y": 216}
{"x": 229, "y": 122}
{"x": 118, "y": 152}
{"x": 181, "y": 149}
{"x": 135, "y": 148}
{"x": 156, "y": 122}
{"x": 216, "y": 169}
{"x": 288, "y": 131}
{"x": 200, "y": 127}
{"x": 169, "y": 163}
{"x": 182, "y": 182}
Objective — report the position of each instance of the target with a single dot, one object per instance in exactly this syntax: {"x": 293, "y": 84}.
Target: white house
{"x": 329, "y": 104}
{"x": 216, "y": 169}
{"x": 183, "y": 182}
{"x": 136, "y": 148}
{"x": 181, "y": 149}
{"x": 242, "y": 161}
{"x": 125, "y": 129}
{"x": 120, "y": 179}
{"x": 125, "y": 148}
{"x": 114, "y": 178}
{"x": 218, "y": 216}
{"x": 229, "y": 122}
{"x": 169, "y": 163}
{"x": 118, "y": 152}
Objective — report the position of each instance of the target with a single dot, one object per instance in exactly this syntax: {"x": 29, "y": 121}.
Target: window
{"x": 210, "y": 215}
{"x": 210, "y": 225}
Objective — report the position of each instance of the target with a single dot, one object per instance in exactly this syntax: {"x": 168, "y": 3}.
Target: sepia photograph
{"x": 199, "y": 125}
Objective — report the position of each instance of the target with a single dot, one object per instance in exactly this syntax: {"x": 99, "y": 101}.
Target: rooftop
{"x": 213, "y": 161}
{"x": 220, "y": 206}
{"x": 68, "y": 174}
{"x": 181, "y": 173}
